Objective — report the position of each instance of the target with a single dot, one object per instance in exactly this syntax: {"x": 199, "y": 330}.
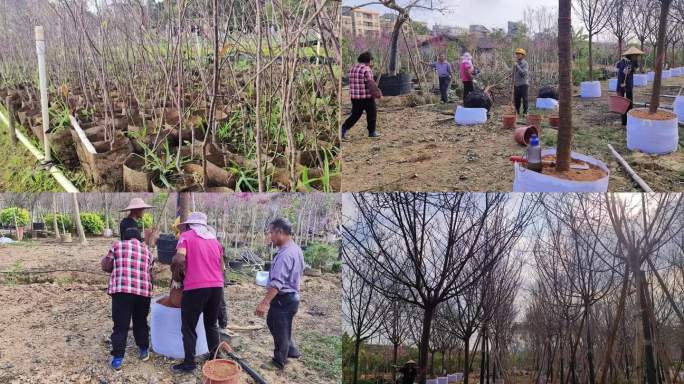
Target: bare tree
{"x": 595, "y": 15}
{"x": 619, "y": 23}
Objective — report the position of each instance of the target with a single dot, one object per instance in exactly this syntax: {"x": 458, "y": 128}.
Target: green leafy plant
{"x": 15, "y": 216}
{"x": 63, "y": 221}
{"x": 59, "y": 116}
{"x": 319, "y": 254}
{"x": 146, "y": 221}
{"x": 92, "y": 223}
{"x": 164, "y": 165}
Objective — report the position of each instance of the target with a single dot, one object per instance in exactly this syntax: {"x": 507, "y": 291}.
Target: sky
{"x": 490, "y": 13}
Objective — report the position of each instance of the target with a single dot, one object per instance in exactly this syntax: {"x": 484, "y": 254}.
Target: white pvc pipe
{"x": 54, "y": 171}
{"x": 82, "y": 135}
{"x": 40, "y": 49}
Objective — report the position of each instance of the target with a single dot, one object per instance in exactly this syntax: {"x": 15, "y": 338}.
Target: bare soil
{"x": 592, "y": 174}
{"x": 659, "y": 115}
{"x": 422, "y": 149}
{"x": 55, "y": 327}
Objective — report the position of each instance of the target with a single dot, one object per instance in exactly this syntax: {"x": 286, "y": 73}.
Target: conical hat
{"x": 633, "y": 51}
{"x": 136, "y": 203}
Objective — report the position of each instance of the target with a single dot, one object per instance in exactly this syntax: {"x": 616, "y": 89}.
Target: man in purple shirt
{"x": 282, "y": 299}
{"x": 444, "y": 72}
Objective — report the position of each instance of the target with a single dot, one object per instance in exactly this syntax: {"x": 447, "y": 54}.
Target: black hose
{"x": 252, "y": 373}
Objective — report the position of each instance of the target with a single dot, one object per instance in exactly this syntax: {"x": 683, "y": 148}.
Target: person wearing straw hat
{"x": 198, "y": 263}
{"x": 136, "y": 209}
{"x": 129, "y": 263}
{"x": 625, "y": 72}
{"x": 408, "y": 372}
{"x": 521, "y": 81}
{"x": 282, "y": 298}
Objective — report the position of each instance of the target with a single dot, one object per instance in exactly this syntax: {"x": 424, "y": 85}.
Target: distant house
{"x": 360, "y": 22}
{"x": 450, "y": 30}
{"x": 478, "y": 30}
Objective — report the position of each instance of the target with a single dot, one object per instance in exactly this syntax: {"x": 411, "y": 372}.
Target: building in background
{"x": 360, "y": 22}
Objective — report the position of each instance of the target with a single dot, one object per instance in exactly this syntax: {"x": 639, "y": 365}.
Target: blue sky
{"x": 490, "y": 13}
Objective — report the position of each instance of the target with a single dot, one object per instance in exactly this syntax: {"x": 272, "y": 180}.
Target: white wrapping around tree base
{"x": 640, "y": 80}
{"x": 678, "y": 106}
{"x": 590, "y": 89}
{"x": 530, "y": 181}
{"x": 470, "y": 116}
{"x": 431, "y": 381}
{"x": 547, "y": 103}
{"x": 455, "y": 378}
{"x": 165, "y": 332}
{"x": 650, "y": 76}
{"x": 442, "y": 380}
{"x": 612, "y": 85}
{"x": 656, "y": 137}
{"x": 666, "y": 74}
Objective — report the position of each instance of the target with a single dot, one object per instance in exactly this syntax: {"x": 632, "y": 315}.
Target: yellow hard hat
{"x": 521, "y": 51}
{"x": 176, "y": 225}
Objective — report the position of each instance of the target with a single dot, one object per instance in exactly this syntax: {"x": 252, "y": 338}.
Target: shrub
{"x": 146, "y": 221}
{"x": 63, "y": 221}
{"x": 92, "y": 223}
{"x": 8, "y": 216}
{"x": 112, "y": 223}
{"x": 318, "y": 254}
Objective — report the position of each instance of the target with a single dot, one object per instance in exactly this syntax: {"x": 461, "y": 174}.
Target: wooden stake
{"x": 10, "y": 115}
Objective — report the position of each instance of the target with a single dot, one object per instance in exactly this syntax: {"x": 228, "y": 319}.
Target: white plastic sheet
{"x": 530, "y": 181}
{"x": 612, "y": 85}
{"x": 640, "y": 80}
{"x": 6, "y": 240}
{"x": 470, "y": 116}
{"x": 165, "y": 332}
{"x": 678, "y": 106}
{"x": 656, "y": 137}
{"x": 590, "y": 89}
{"x": 547, "y": 103}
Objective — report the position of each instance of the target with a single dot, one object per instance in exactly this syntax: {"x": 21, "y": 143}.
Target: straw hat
{"x": 521, "y": 51}
{"x": 633, "y": 51}
{"x": 196, "y": 218}
{"x": 136, "y": 203}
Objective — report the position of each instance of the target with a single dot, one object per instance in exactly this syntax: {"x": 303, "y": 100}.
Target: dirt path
{"x": 422, "y": 149}
{"x": 57, "y": 330}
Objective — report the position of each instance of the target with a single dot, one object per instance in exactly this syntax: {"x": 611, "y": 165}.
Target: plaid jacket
{"x": 359, "y": 75}
{"x": 132, "y": 271}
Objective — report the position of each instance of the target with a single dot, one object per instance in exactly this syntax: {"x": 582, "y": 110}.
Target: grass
{"x": 323, "y": 354}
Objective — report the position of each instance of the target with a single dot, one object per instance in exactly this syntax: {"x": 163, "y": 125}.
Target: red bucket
{"x": 618, "y": 104}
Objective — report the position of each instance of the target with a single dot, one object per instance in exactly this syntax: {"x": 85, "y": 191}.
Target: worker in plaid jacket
{"x": 363, "y": 91}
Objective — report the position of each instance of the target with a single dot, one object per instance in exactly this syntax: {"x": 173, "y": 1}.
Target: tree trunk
{"x": 590, "y": 344}
{"x": 590, "y": 58}
{"x": 424, "y": 344}
{"x": 394, "y": 44}
{"x": 646, "y": 323}
{"x": 357, "y": 346}
{"x": 77, "y": 220}
{"x": 660, "y": 56}
{"x": 395, "y": 353}
{"x": 466, "y": 357}
{"x": 183, "y": 205}
{"x": 55, "y": 227}
{"x": 564, "y": 85}
{"x": 483, "y": 348}
{"x": 613, "y": 332}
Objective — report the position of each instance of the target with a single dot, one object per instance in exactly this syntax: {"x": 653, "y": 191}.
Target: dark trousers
{"x": 223, "y": 311}
{"x": 628, "y": 93}
{"x": 127, "y": 306}
{"x": 204, "y": 301}
{"x": 444, "y": 82}
{"x": 467, "y": 88}
{"x": 358, "y": 107}
{"x": 279, "y": 321}
{"x": 520, "y": 96}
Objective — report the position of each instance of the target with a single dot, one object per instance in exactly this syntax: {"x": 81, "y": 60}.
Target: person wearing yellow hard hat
{"x": 521, "y": 81}
{"x": 625, "y": 72}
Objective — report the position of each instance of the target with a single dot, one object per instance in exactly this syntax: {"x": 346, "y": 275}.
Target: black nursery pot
{"x": 395, "y": 85}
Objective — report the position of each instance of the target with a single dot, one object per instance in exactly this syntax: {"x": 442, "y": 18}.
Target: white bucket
{"x": 431, "y": 381}
{"x": 442, "y": 380}
{"x": 657, "y": 137}
{"x": 590, "y": 89}
{"x": 107, "y": 232}
{"x": 165, "y": 332}
{"x": 547, "y": 103}
{"x": 530, "y": 181}
{"x": 612, "y": 85}
{"x": 262, "y": 278}
{"x": 667, "y": 74}
{"x": 650, "y": 76}
{"x": 678, "y": 107}
{"x": 640, "y": 80}
{"x": 470, "y": 116}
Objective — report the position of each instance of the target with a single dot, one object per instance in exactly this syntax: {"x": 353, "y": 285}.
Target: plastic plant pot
{"x": 470, "y": 116}
{"x": 590, "y": 89}
{"x": 618, "y": 104}
{"x": 509, "y": 121}
{"x": 650, "y": 76}
{"x": 530, "y": 181}
{"x": 656, "y": 137}
{"x": 107, "y": 232}
{"x": 640, "y": 80}
{"x": 546, "y": 103}
{"x": 678, "y": 107}
{"x": 443, "y": 380}
{"x": 554, "y": 121}
{"x": 165, "y": 332}
{"x": 612, "y": 85}
{"x": 535, "y": 120}
{"x": 667, "y": 74}
{"x": 522, "y": 135}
